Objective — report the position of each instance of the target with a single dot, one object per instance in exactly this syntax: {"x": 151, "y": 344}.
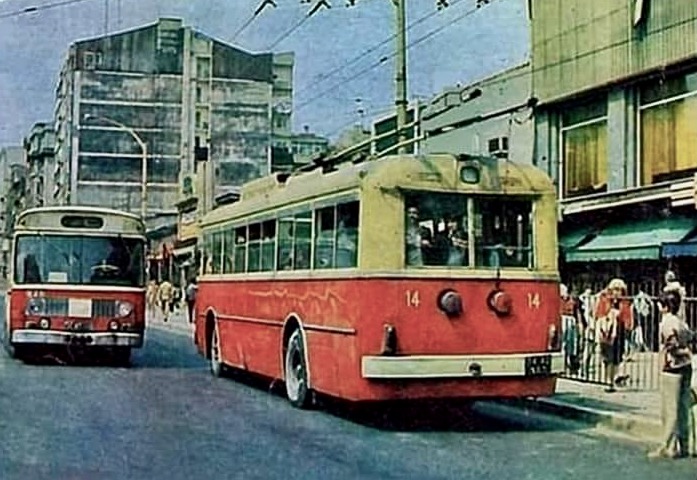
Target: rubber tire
{"x": 297, "y": 391}
{"x": 215, "y": 364}
{"x": 122, "y": 356}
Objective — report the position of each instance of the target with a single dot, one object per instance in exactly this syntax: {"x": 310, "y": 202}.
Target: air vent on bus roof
{"x": 81, "y": 221}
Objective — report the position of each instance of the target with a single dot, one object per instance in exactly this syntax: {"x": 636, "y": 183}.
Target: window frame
{"x": 562, "y": 163}
{"x": 639, "y": 171}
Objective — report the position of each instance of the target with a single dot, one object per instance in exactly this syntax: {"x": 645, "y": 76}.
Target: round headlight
{"x": 124, "y": 309}
{"x": 450, "y": 303}
{"x": 500, "y": 302}
{"x": 45, "y": 323}
{"x": 114, "y": 325}
{"x": 35, "y": 306}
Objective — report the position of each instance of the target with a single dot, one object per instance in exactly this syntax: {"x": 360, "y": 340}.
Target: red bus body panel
{"x": 18, "y": 299}
{"x": 344, "y": 319}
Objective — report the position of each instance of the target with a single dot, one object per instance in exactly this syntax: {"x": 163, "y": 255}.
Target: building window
{"x": 89, "y": 61}
{"x": 163, "y": 170}
{"x": 498, "y": 147}
{"x": 100, "y": 169}
{"x": 668, "y": 129}
{"x": 203, "y": 68}
{"x": 584, "y": 149}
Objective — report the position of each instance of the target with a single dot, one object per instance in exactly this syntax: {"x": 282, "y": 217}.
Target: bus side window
{"x": 325, "y": 229}
{"x": 268, "y": 245}
{"x": 229, "y": 251}
{"x": 240, "y": 264}
{"x": 286, "y": 232}
{"x": 254, "y": 248}
{"x": 347, "y": 235}
{"x": 303, "y": 240}
{"x": 217, "y": 253}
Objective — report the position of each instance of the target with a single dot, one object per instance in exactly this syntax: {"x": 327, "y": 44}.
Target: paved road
{"x": 166, "y": 418}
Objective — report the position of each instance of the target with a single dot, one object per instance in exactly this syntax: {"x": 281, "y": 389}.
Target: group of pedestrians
{"x": 601, "y": 326}
{"x": 612, "y": 324}
{"x": 167, "y": 298}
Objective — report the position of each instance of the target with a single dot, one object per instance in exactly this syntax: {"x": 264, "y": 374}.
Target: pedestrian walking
{"x": 190, "y": 295}
{"x": 165, "y": 296}
{"x": 614, "y": 316}
{"x": 676, "y": 377}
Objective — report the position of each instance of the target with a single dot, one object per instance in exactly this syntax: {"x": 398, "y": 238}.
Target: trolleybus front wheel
{"x": 297, "y": 391}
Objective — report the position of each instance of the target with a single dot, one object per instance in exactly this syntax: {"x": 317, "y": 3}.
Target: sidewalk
{"x": 635, "y": 413}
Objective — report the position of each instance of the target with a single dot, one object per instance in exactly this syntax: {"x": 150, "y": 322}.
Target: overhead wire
{"x": 325, "y": 76}
{"x": 288, "y": 32}
{"x": 37, "y": 8}
{"x": 384, "y": 59}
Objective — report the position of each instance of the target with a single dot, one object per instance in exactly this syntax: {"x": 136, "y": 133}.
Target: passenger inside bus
{"x": 457, "y": 246}
{"x": 418, "y": 239}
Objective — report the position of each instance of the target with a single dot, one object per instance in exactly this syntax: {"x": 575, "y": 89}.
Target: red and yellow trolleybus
{"x": 403, "y": 277}
{"x": 77, "y": 280}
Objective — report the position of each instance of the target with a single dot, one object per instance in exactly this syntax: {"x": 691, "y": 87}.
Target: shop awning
{"x": 571, "y": 238}
{"x": 637, "y": 240}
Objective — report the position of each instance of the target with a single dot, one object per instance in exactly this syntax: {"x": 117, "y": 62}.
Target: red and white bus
{"x": 400, "y": 278}
{"x": 77, "y": 280}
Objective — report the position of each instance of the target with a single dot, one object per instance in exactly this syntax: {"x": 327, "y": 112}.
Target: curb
{"x": 638, "y": 428}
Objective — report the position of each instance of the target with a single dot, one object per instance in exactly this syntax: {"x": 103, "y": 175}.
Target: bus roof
{"x": 64, "y": 217}
{"x": 438, "y": 172}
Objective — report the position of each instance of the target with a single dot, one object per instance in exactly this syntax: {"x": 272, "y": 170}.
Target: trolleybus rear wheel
{"x": 297, "y": 391}
{"x": 216, "y": 363}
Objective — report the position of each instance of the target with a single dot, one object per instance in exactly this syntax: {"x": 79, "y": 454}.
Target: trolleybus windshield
{"x": 454, "y": 230}
{"x": 79, "y": 260}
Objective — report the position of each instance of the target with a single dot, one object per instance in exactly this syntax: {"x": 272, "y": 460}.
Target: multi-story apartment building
{"x": 616, "y": 126}
{"x": 178, "y": 93}
{"x": 39, "y": 150}
{"x": 13, "y": 199}
{"x": 490, "y": 117}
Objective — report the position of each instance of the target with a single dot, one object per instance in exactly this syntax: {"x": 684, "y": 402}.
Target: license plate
{"x": 538, "y": 365}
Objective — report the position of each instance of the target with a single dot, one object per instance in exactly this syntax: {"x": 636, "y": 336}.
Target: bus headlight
{"x": 114, "y": 325}
{"x": 123, "y": 309}
{"x": 45, "y": 323}
{"x": 35, "y": 306}
{"x": 450, "y": 303}
{"x": 500, "y": 302}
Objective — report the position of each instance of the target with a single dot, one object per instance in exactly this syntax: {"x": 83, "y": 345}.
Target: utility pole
{"x": 401, "y": 72}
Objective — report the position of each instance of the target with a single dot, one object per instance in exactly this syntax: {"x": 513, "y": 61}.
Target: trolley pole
{"x": 401, "y": 72}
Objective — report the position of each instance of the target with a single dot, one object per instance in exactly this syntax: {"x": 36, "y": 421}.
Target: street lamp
{"x": 144, "y": 152}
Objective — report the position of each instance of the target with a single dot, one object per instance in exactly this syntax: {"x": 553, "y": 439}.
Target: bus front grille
{"x": 103, "y": 308}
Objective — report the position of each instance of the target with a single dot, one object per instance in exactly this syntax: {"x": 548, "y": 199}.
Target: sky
{"x": 338, "y": 51}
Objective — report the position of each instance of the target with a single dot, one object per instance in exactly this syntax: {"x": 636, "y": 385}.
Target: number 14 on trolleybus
{"x": 405, "y": 277}
{"x": 77, "y": 280}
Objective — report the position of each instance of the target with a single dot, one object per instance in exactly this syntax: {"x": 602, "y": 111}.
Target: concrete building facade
{"x": 13, "y": 199}
{"x": 40, "y": 163}
{"x": 183, "y": 94}
{"x": 616, "y": 127}
{"x": 490, "y": 117}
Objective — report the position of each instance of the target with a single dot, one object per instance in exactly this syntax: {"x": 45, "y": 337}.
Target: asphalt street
{"x": 167, "y": 418}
